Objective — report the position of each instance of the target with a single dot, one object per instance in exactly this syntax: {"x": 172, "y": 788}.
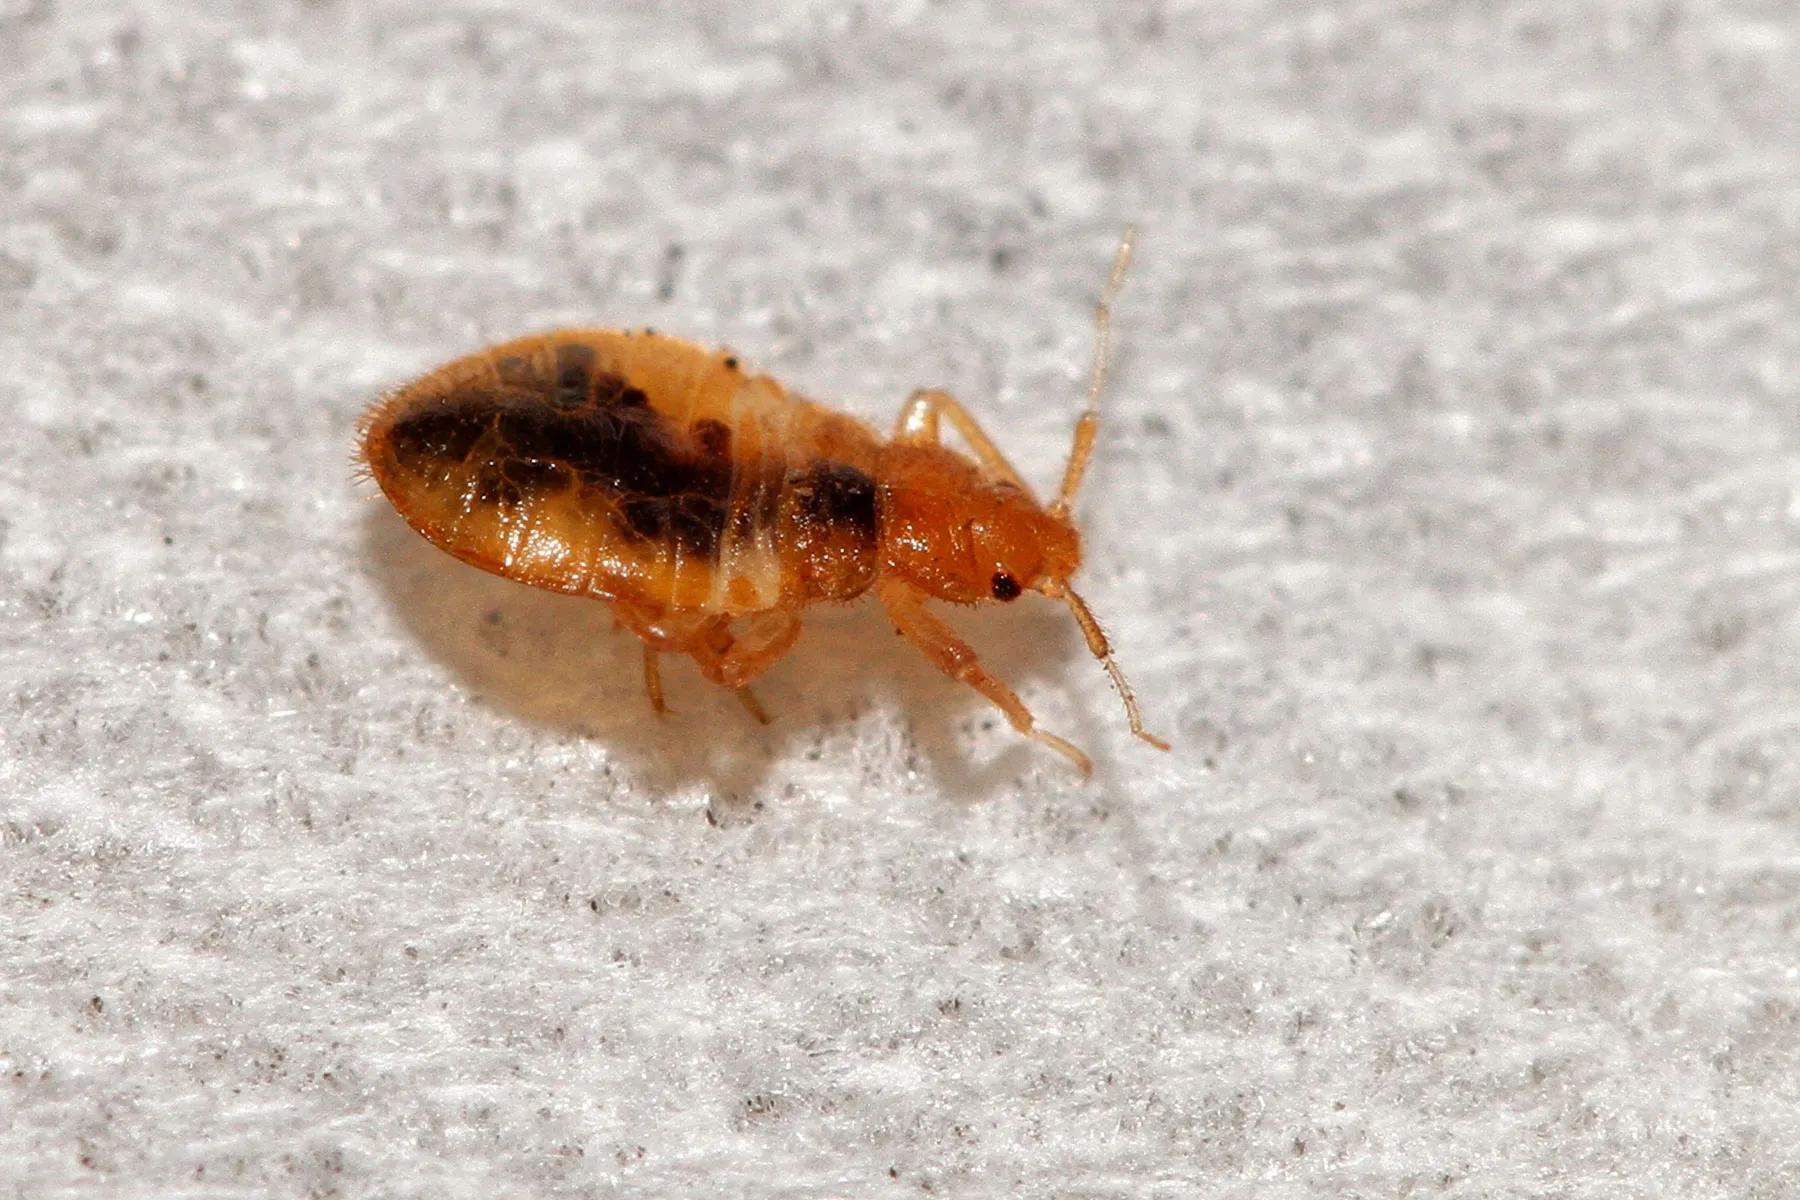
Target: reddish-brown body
{"x": 709, "y": 506}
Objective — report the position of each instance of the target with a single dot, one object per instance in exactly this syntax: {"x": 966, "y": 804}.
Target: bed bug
{"x": 708, "y": 505}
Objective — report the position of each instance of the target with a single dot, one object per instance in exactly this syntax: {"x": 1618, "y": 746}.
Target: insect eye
{"x": 1005, "y": 586}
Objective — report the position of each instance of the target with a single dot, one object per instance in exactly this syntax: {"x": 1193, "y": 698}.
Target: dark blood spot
{"x": 661, "y": 483}
{"x": 714, "y": 438}
{"x": 610, "y": 391}
{"x": 574, "y": 371}
{"x": 622, "y": 450}
{"x": 1006, "y": 587}
{"x": 834, "y": 494}
{"x": 731, "y": 363}
{"x": 648, "y": 518}
{"x": 696, "y": 523}
{"x": 663, "y": 487}
{"x": 491, "y": 487}
{"x": 692, "y": 522}
{"x": 442, "y": 434}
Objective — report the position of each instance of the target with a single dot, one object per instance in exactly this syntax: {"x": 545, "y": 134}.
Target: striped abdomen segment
{"x": 638, "y": 467}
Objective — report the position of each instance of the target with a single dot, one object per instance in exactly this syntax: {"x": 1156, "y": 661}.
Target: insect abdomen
{"x": 633, "y": 467}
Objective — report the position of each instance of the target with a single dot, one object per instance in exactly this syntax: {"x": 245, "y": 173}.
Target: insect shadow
{"x": 559, "y": 664}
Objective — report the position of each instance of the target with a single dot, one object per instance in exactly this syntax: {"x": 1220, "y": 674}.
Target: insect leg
{"x": 953, "y": 656}
{"x": 653, "y": 678}
{"x": 661, "y": 634}
{"x": 733, "y": 660}
{"x": 918, "y": 424}
{"x": 752, "y": 705}
{"x": 726, "y": 660}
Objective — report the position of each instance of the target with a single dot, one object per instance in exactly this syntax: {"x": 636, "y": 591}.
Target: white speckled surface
{"x": 1445, "y": 516}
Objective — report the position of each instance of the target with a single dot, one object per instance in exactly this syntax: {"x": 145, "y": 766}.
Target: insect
{"x": 708, "y": 506}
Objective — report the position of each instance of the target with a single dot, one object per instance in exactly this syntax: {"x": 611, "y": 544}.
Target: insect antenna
{"x": 1089, "y": 424}
{"x": 1097, "y": 644}
{"x": 1086, "y": 428}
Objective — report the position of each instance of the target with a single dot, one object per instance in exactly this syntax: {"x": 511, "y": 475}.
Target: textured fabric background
{"x": 1444, "y": 516}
